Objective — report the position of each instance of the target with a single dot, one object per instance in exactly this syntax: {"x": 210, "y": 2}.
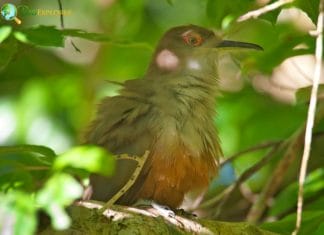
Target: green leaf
{"x": 50, "y": 36}
{"x": 98, "y": 37}
{"x": 320, "y": 230}
{"x": 312, "y": 220}
{"x": 287, "y": 199}
{"x": 59, "y": 191}
{"x": 91, "y": 158}
{"x": 41, "y": 36}
{"x": 23, "y": 169}
{"x": 43, "y": 154}
{"x": 24, "y": 166}
{"x": 14, "y": 176}
{"x": 170, "y": 2}
{"x": 21, "y": 37}
{"x": 317, "y": 204}
{"x": 85, "y": 35}
{"x": 28, "y": 154}
{"x": 4, "y": 32}
{"x": 303, "y": 94}
{"x": 17, "y": 214}
{"x": 8, "y": 49}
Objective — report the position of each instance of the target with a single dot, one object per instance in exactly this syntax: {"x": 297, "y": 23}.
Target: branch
{"x": 275, "y": 181}
{"x": 251, "y": 149}
{"x": 246, "y": 175}
{"x": 277, "y": 177}
{"x": 310, "y": 115}
{"x": 37, "y": 168}
{"x": 259, "y": 147}
{"x": 256, "y": 13}
{"x": 86, "y": 219}
{"x": 62, "y": 24}
{"x": 225, "y": 194}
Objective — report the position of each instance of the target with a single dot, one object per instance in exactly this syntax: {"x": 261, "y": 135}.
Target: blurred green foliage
{"x": 48, "y": 96}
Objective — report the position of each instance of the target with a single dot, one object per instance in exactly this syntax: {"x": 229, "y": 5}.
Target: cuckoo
{"x": 168, "y": 112}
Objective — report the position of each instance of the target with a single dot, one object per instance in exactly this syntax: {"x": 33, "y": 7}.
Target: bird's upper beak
{"x": 236, "y": 44}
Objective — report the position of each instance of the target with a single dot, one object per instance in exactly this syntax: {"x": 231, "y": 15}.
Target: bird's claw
{"x": 182, "y": 212}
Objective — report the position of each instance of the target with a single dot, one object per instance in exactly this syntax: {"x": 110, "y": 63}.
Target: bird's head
{"x": 190, "y": 49}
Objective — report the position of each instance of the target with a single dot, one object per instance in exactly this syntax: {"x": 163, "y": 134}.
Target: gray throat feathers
{"x": 188, "y": 85}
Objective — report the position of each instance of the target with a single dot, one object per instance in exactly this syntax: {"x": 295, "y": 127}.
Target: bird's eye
{"x": 192, "y": 39}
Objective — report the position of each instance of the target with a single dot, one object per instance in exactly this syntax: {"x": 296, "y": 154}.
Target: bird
{"x": 169, "y": 112}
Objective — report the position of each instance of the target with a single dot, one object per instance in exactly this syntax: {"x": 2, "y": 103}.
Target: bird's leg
{"x": 162, "y": 210}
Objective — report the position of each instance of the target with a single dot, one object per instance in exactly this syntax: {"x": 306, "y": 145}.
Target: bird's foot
{"x": 182, "y": 212}
{"x": 162, "y": 210}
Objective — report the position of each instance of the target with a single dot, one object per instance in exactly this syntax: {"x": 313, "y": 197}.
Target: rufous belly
{"x": 171, "y": 177}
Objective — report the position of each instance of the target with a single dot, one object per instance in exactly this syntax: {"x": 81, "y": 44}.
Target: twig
{"x": 256, "y": 13}
{"x": 114, "y": 82}
{"x": 275, "y": 181}
{"x": 246, "y": 175}
{"x": 224, "y": 195}
{"x": 247, "y": 193}
{"x": 61, "y": 15}
{"x": 37, "y": 168}
{"x": 310, "y": 115}
{"x": 251, "y": 149}
{"x": 62, "y": 25}
{"x": 211, "y": 202}
{"x": 140, "y": 163}
{"x": 277, "y": 177}
{"x": 283, "y": 165}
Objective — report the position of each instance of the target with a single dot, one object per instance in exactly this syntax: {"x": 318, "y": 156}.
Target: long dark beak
{"x": 235, "y": 44}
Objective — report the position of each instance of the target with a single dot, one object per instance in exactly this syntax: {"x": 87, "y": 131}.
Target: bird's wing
{"x": 122, "y": 127}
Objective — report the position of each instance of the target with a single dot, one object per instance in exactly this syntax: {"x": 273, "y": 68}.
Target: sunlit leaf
{"x": 21, "y": 37}
{"x": 17, "y": 214}
{"x": 59, "y": 191}
{"x": 4, "y": 32}
{"x": 90, "y": 158}
{"x": 41, "y": 36}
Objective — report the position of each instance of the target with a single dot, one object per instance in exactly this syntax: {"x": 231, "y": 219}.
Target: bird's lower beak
{"x": 235, "y": 44}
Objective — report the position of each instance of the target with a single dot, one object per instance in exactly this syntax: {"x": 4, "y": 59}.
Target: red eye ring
{"x": 192, "y": 39}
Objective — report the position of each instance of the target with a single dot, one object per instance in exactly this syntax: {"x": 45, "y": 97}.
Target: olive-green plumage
{"x": 169, "y": 112}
